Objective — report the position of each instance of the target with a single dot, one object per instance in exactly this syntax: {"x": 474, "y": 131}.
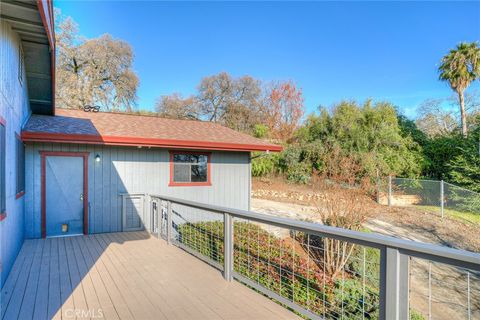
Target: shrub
{"x": 299, "y": 173}
{"x": 415, "y": 315}
{"x": 281, "y": 266}
{"x": 264, "y": 165}
{"x": 294, "y": 166}
{"x": 260, "y": 131}
{"x": 353, "y": 305}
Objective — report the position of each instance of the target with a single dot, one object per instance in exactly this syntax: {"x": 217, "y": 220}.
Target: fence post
{"x": 394, "y": 284}
{"x": 442, "y": 198}
{"x": 228, "y": 247}
{"x": 169, "y": 222}
{"x": 389, "y": 191}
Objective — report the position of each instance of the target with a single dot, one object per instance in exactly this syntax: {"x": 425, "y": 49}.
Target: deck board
{"x": 124, "y": 276}
{"x": 9, "y": 286}
{"x": 41, "y": 298}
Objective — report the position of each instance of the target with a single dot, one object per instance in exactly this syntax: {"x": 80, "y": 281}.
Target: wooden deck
{"x": 124, "y": 276}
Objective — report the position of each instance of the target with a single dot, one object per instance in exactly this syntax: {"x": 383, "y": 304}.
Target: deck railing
{"x": 324, "y": 272}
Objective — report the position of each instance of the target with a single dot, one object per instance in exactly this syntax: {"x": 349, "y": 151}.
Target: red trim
{"x": 147, "y": 142}
{"x": 190, "y": 184}
{"x": 3, "y": 216}
{"x": 3, "y": 122}
{"x": 43, "y": 155}
{"x": 20, "y": 194}
{"x": 50, "y": 29}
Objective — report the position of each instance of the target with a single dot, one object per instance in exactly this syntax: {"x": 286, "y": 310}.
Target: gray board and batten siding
{"x": 135, "y": 170}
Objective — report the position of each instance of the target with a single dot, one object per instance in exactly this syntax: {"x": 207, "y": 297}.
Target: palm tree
{"x": 459, "y": 68}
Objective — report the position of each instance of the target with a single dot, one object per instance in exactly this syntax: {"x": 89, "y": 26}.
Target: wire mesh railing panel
{"x": 439, "y": 291}
{"x": 330, "y": 278}
{"x": 160, "y": 211}
{"x": 199, "y": 230}
{"x": 305, "y": 266}
{"x": 460, "y": 199}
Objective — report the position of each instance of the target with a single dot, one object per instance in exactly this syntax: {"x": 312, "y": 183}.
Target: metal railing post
{"x": 442, "y": 198}
{"x": 228, "y": 247}
{"x": 394, "y": 284}
{"x": 155, "y": 217}
{"x": 389, "y": 191}
{"x": 169, "y": 222}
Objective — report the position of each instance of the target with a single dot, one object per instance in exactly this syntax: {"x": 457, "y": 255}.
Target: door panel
{"x": 133, "y": 213}
{"x": 64, "y": 195}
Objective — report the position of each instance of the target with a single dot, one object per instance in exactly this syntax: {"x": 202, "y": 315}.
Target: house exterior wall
{"x": 14, "y": 108}
{"x": 132, "y": 170}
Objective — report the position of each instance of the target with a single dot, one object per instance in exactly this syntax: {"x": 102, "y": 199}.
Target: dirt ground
{"x": 301, "y": 202}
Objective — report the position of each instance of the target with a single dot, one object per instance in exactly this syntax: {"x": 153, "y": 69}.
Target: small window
{"x": 21, "y": 64}
{"x": 20, "y": 167}
{"x": 2, "y": 169}
{"x": 189, "y": 169}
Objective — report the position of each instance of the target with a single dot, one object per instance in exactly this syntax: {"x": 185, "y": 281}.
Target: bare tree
{"x": 234, "y": 102}
{"x": 93, "y": 71}
{"x": 175, "y": 106}
{"x": 343, "y": 204}
{"x": 442, "y": 116}
{"x": 283, "y": 110}
{"x": 435, "y": 118}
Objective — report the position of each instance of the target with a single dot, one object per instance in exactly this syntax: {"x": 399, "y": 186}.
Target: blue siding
{"x": 14, "y": 109}
{"x": 133, "y": 170}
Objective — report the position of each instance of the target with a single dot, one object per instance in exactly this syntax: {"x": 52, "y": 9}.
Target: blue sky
{"x": 332, "y": 50}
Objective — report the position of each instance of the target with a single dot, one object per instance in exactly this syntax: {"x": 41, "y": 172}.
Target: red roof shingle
{"x": 77, "y": 126}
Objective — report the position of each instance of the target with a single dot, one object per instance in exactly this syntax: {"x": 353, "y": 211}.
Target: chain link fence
{"x": 433, "y": 195}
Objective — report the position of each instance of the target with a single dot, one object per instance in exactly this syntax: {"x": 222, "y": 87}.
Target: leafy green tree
{"x": 464, "y": 167}
{"x": 459, "y": 68}
{"x": 370, "y": 132}
{"x": 438, "y": 152}
{"x": 370, "y": 138}
{"x": 260, "y": 131}
{"x": 408, "y": 128}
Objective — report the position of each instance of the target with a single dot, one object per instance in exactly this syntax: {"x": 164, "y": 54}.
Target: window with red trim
{"x": 189, "y": 168}
{"x": 2, "y": 169}
{"x": 20, "y": 190}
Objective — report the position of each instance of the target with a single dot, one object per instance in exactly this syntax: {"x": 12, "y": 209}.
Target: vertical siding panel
{"x": 97, "y": 187}
{"x": 114, "y": 210}
{"x": 36, "y": 214}
{"x": 105, "y": 186}
{"x": 121, "y": 187}
{"x": 29, "y": 194}
{"x": 128, "y": 169}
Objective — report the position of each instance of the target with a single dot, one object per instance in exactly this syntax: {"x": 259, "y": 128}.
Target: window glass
{"x": 2, "y": 168}
{"x": 20, "y": 166}
{"x": 190, "y": 167}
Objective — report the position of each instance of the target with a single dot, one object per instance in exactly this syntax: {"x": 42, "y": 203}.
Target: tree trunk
{"x": 463, "y": 114}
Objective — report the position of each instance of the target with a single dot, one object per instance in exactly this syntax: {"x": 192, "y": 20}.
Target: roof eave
{"x": 28, "y": 136}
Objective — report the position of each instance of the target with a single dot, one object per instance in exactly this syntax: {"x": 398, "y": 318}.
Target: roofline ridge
{"x": 140, "y": 115}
